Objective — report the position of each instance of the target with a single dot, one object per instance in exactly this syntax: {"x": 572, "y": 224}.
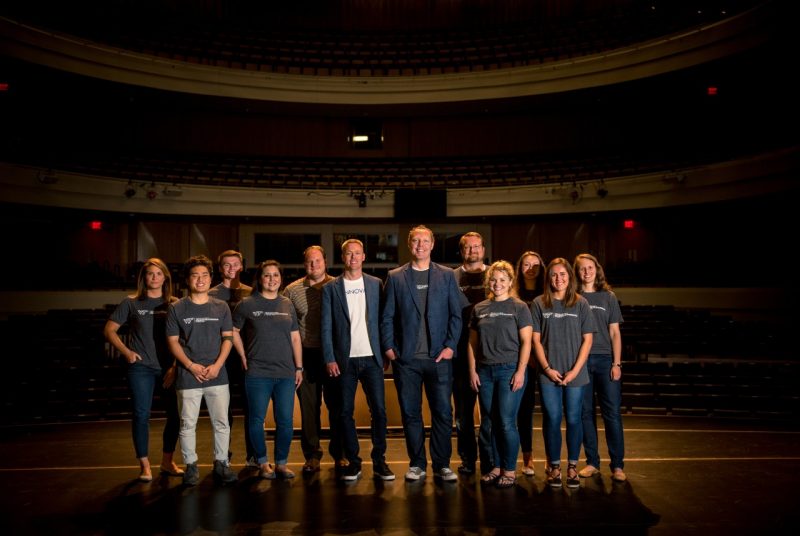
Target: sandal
{"x": 490, "y": 478}
{"x": 554, "y": 476}
{"x": 506, "y": 481}
{"x": 572, "y": 476}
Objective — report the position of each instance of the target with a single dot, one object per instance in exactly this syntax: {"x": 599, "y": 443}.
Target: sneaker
{"x": 588, "y": 471}
{"x": 466, "y": 468}
{"x": 415, "y": 473}
{"x": 251, "y": 462}
{"x": 446, "y": 474}
{"x": 381, "y": 470}
{"x": 223, "y": 473}
{"x": 618, "y": 475}
{"x": 191, "y": 476}
{"x": 350, "y": 473}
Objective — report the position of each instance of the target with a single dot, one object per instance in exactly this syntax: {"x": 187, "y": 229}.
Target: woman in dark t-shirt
{"x": 151, "y": 367}
{"x": 498, "y": 353}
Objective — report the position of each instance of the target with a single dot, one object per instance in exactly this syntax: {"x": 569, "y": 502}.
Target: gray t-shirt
{"x": 266, "y": 328}
{"x": 605, "y": 308}
{"x": 562, "y": 329}
{"x": 421, "y": 288}
{"x": 199, "y": 328}
{"x": 146, "y": 321}
{"x": 498, "y": 324}
{"x": 231, "y": 296}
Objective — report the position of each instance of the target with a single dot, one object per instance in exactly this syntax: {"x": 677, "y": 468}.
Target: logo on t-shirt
{"x": 199, "y": 320}
{"x": 422, "y": 287}
{"x": 559, "y": 315}
{"x": 269, "y": 313}
{"x": 496, "y": 314}
{"x": 144, "y": 312}
{"x": 354, "y": 291}
{"x": 597, "y": 307}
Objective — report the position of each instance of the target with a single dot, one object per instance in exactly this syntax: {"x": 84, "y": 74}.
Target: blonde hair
{"x": 500, "y": 266}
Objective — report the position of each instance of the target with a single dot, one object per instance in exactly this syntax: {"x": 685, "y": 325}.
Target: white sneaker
{"x": 446, "y": 474}
{"x": 415, "y": 473}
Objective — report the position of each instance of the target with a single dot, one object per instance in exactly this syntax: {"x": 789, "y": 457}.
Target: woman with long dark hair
{"x": 605, "y": 370}
{"x": 562, "y": 337}
{"x": 267, "y": 336}
{"x": 529, "y": 283}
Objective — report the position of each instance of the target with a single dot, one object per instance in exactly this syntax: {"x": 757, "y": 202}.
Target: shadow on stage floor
{"x": 686, "y": 476}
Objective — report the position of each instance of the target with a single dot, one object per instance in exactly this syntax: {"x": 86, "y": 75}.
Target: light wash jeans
{"x": 217, "y": 400}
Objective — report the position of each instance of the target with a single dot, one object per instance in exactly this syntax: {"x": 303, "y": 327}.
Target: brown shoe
{"x": 588, "y": 471}
{"x": 527, "y": 464}
{"x": 311, "y": 466}
{"x": 619, "y": 475}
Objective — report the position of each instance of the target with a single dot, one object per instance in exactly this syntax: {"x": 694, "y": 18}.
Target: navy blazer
{"x": 401, "y": 315}
{"x": 335, "y": 325}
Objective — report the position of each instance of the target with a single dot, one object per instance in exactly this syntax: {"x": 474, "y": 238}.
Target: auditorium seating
{"x": 64, "y": 370}
{"x": 262, "y": 46}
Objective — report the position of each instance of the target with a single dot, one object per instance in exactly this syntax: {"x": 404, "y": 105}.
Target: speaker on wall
{"x": 420, "y": 205}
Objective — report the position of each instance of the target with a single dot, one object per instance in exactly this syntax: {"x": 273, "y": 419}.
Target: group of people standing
{"x": 477, "y": 333}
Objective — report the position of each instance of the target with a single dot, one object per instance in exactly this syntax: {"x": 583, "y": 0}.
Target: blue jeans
{"x": 558, "y": 402}
{"x": 259, "y": 392}
{"x": 410, "y": 377}
{"x": 499, "y": 407}
{"x": 366, "y": 370}
{"x": 609, "y": 396}
{"x": 144, "y": 382}
{"x": 464, "y": 399}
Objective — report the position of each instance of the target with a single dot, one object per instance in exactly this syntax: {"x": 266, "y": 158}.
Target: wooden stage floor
{"x": 687, "y": 475}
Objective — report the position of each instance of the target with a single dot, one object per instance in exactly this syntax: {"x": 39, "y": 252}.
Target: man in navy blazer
{"x": 420, "y": 328}
{"x": 351, "y": 350}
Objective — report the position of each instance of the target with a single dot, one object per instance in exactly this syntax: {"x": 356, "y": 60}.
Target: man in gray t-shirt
{"x": 200, "y": 336}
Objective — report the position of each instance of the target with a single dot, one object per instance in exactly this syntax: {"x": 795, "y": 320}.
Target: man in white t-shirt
{"x": 351, "y": 349}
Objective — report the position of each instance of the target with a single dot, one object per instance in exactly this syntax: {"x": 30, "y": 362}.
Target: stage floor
{"x": 687, "y": 475}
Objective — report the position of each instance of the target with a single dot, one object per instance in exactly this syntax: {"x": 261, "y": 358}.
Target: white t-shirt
{"x": 357, "y": 306}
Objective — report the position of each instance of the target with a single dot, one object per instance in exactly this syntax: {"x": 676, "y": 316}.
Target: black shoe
{"x": 223, "y": 473}
{"x": 350, "y": 472}
{"x": 381, "y": 470}
{"x": 192, "y": 475}
{"x": 466, "y": 468}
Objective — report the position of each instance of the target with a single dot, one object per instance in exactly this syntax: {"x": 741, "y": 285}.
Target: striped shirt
{"x": 307, "y": 301}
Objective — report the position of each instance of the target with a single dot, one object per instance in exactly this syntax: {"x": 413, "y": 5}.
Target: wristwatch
{"x": 298, "y": 369}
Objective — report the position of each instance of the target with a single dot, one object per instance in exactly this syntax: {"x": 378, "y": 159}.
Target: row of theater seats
{"x": 668, "y": 332}
{"x": 63, "y": 370}
{"x": 266, "y": 172}
{"x": 322, "y": 53}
